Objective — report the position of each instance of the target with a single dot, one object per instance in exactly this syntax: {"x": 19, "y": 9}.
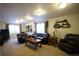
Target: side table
{"x": 53, "y": 41}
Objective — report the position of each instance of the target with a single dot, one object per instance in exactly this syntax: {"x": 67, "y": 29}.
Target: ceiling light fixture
{"x": 62, "y": 5}
{"x": 22, "y": 20}
{"x": 17, "y": 21}
{"x": 39, "y": 12}
{"x": 28, "y": 17}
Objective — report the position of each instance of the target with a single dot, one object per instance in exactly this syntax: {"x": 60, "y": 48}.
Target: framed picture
{"x": 62, "y": 24}
{"x": 29, "y": 28}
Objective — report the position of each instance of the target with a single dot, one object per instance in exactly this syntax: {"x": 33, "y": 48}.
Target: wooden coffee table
{"x": 35, "y": 42}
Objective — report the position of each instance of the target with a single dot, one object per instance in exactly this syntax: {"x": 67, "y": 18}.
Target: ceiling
{"x": 10, "y": 12}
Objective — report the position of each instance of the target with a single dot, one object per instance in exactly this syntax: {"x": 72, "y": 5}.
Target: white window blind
{"x": 40, "y": 27}
{"x": 14, "y": 28}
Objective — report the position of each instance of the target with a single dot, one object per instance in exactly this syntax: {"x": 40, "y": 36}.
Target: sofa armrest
{"x": 62, "y": 40}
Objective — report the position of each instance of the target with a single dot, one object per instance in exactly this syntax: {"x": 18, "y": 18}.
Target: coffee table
{"x": 35, "y": 42}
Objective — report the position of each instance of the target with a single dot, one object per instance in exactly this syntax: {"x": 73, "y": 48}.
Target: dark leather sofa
{"x": 1, "y": 41}
{"x": 42, "y": 36}
{"x": 21, "y": 37}
{"x": 4, "y": 36}
{"x": 70, "y": 44}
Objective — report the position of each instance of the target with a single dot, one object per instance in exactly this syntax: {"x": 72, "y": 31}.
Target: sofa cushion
{"x": 40, "y": 34}
{"x": 66, "y": 45}
{"x": 72, "y": 42}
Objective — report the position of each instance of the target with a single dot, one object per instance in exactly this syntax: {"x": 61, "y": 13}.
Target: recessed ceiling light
{"x": 62, "y": 5}
{"x": 39, "y": 12}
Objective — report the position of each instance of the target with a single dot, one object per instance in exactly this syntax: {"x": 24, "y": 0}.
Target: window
{"x": 40, "y": 27}
{"x": 14, "y": 28}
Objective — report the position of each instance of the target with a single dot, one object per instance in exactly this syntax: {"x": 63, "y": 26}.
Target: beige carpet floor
{"x": 12, "y": 48}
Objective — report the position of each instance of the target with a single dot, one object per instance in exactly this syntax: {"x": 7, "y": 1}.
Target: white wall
{"x": 61, "y": 32}
{"x": 23, "y": 27}
{"x": 2, "y": 25}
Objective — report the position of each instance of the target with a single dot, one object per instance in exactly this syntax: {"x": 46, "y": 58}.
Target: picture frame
{"x": 62, "y": 24}
{"x": 29, "y": 28}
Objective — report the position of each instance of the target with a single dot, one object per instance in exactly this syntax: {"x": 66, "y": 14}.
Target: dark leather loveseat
{"x": 70, "y": 44}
